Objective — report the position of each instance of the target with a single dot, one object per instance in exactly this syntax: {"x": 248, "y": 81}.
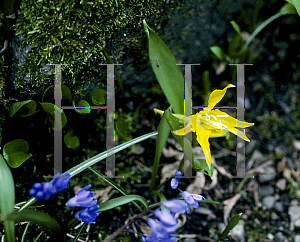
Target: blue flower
{"x": 161, "y": 231}
{"x": 41, "y": 192}
{"x": 88, "y": 215}
{"x": 83, "y": 198}
{"x": 191, "y": 199}
{"x": 174, "y": 181}
{"x": 60, "y": 182}
{"x": 175, "y": 206}
{"x": 178, "y": 174}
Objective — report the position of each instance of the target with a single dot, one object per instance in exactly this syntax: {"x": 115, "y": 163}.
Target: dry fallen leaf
{"x": 197, "y": 185}
{"x": 281, "y": 184}
{"x": 228, "y": 205}
{"x": 214, "y": 181}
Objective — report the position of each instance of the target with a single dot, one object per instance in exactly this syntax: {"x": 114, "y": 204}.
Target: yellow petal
{"x": 238, "y": 133}
{"x": 185, "y": 130}
{"x": 217, "y": 133}
{"x": 217, "y": 95}
{"x": 156, "y": 111}
{"x": 229, "y": 120}
{"x": 202, "y": 137}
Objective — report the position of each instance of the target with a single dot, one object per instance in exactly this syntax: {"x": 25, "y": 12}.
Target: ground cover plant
{"x": 150, "y": 200}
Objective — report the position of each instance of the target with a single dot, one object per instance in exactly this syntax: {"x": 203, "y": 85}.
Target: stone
{"x": 297, "y": 223}
{"x": 203, "y": 210}
{"x": 278, "y": 206}
{"x": 239, "y": 232}
{"x": 279, "y": 237}
{"x": 281, "y": 184}
{"x": 267, "y": 177}
{"x": 297, "y": 238}
{"x": 266, "y": 191}
{"x": 269, "y": 202}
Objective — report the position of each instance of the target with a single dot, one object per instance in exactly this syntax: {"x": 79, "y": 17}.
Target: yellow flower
{"x": 211, "y": 123}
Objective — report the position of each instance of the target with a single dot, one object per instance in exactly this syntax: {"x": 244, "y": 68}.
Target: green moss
{"x": 73, "y": 32}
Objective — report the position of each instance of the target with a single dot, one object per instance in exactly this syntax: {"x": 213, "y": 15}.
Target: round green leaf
{"x": 15, "y": 152}
{"x": 122, "y": 128}
{"x": 48, "y": 95}
{"x": 289, "y": 9}
{"x": 83, "y": 107}
{"x": 25, "y": 108}
{"x": 49, "y": 108}
{"x": 98, "y": 97}
{"x": 72, "y": 141}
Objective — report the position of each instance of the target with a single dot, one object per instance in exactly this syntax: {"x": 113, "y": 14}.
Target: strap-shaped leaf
{"x": 7, "y": 198}
{"x": 233, "y": 222}
{"x": 166, "y": 71}
{"x": 115, "y": 202}
{"x": 113, "y": 184}
{"x": 37, "y": 217}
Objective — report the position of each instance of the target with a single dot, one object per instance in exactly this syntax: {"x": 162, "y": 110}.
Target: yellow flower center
{"x": 207, "y": 120}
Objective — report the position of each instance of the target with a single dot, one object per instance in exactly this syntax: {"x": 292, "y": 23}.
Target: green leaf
{"x": 296, "y": 4}
{"x": 161, "y": 196}
{"x": 201, "y": 166}
{"x": 113, "y": 184}
{"x": 290, "y": 9}
{"x": 71, "y": 140}
{"x": 48, "y": 95}
{"x": 82, "y": 107}
{"x": 163, "y": 133}
{"x": 166, "y": 71}
{"x": 36, "y": 217}
{"x": 122, "y": 128}
{"x": 236, "y": 27}
{"x": 234, "y": 44}
{"x": 30, "y": 105}
{"x": 218, "y": 52}
{"x": 7, "y": 198}
{"x": 49, "y": 108}
{"x": 15, "y": 152}
{"x": 233, "y": 222}
{"x": 98, "y": 97}
{"x": 115, "y": 202}
{"x": 241, "y": 55}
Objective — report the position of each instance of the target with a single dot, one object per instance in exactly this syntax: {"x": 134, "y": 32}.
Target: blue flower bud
{"x": 174, "y": 183}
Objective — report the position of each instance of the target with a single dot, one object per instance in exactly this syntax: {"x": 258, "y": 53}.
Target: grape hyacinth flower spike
{"x": 43, "y": 192}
